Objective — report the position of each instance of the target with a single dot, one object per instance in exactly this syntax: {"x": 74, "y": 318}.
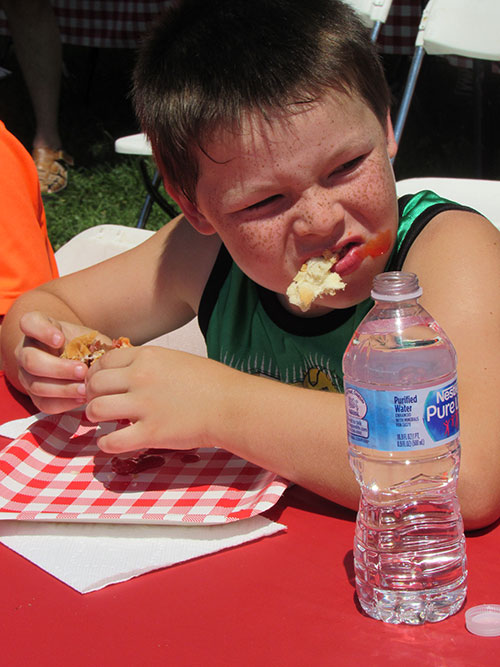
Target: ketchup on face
{"x": 376, "y": 246}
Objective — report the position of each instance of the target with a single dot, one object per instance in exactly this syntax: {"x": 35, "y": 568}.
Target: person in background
{"x": 27, "y": 258}
{"x": 37, "y": 44}
{"x": 270, "y": 124}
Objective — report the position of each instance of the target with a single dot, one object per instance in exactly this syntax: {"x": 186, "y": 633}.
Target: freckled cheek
{"x": 375, "y": 195}
{"x": 260, "y": 241}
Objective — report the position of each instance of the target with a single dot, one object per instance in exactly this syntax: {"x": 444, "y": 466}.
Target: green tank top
{"x": 246, "y": 327}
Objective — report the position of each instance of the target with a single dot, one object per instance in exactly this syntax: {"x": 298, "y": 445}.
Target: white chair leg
{"x": 375, "y": 31}
{"x": 411, "y": 82}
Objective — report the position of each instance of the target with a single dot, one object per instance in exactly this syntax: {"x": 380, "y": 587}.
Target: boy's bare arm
{"x": 298, "y": 432}
{"x": 457, "y": 259}
{"x": 141, "y": 294}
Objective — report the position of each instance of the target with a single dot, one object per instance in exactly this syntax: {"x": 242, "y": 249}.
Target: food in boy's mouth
{"x": 315, "y": 278}
{"x": 88, "y": 348}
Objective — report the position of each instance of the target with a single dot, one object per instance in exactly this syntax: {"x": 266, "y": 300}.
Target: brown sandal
{"x": 52, "y": 169}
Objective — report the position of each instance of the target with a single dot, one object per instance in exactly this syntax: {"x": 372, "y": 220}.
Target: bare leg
{"x": 37, "y": 44}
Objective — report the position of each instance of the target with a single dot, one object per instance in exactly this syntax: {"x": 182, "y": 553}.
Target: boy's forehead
{"x": 333, "y": 118}
{"x": 264, "y": 153}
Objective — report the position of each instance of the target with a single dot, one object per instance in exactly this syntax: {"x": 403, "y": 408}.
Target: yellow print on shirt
{"x": 314, "y": 373}
{"x": 317, "y": 379}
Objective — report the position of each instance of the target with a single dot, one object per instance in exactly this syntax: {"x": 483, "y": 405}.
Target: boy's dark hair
{"x": 208, "y": 63}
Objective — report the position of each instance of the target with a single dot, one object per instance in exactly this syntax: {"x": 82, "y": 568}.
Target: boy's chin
{"x": 320, "y": 306}
{"x": 326, "y": 304}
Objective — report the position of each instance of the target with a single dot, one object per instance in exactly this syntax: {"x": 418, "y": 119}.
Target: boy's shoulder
{"x": 458, "y": 248}
{"x": 188, "y": 257}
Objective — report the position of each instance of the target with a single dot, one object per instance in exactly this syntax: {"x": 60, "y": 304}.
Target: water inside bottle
{"x": 409, "y": 553}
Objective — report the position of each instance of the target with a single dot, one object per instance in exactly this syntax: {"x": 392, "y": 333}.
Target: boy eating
{"x": 270, "y": 124}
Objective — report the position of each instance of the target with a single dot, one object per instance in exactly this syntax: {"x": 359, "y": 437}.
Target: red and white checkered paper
{"x": 56, "y": 472}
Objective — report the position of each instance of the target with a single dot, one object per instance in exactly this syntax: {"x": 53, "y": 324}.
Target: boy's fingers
{"x": 39, "y": 327}
{"x": 54, "y": 406}
{"x": 126, "y": 439}
{"x": 107, "y": 382}
{"x": 119, "y": 358}
{"x": 36, "y": 362}
{"x": 50, "y": 388}
{"x": 111, "y": 408}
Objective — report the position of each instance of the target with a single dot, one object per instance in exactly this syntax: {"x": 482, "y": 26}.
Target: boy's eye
{"x": 348, "y": 166}
{"x": 264, "y": 202}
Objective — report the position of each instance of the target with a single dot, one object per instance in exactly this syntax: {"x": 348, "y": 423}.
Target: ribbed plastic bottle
{"x": 403, "y": 430}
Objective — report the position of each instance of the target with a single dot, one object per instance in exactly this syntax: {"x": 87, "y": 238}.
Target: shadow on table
{"x": 349, "y": 569}
{"x": 172, "y": 469}
{"x": 14, "y": 403}
{"x": 482, "y": 531}
{"x": 307, "y": 501}
{"x": 300, "y": 498}
{"x": 59, "y": 445}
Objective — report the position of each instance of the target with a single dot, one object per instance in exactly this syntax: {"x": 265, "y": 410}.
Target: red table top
{"x": 285, "y": 600}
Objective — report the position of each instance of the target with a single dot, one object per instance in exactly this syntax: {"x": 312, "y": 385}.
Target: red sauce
{"x": 136, "y": 464}
{"x": 376, "y": 246}
{"x": 151, "y": 458}
{"x": 190, "y": 458}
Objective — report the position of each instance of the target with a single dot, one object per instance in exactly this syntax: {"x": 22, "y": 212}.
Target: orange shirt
{"x": 26, "y": 256}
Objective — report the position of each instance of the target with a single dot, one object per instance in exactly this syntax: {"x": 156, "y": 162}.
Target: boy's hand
{"x": 168, "y": 396}
{"x": 53, "y": 384}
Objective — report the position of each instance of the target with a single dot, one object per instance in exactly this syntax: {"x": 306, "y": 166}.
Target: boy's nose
{"x": 318, "y": 215}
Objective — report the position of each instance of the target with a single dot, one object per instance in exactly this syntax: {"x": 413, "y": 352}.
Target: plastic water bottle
{"x": 403, "y": 431}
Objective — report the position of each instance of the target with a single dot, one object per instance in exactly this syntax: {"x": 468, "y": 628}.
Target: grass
{"x": 109, "y": 193}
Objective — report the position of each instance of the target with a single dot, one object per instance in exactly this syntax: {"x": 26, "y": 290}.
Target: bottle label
{"x": 394, "y": 421}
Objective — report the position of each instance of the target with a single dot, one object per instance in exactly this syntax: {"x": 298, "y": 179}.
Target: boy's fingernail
{"x": 80, "y": 372}
{"x": 57, "y": 339}
{"x": 81, "y": 389}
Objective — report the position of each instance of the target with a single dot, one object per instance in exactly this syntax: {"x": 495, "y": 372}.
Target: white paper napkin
{"x": 89, "y": 556}
{"x": 14, "y": 428}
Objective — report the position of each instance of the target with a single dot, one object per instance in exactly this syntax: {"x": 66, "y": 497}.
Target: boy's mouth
{"x": 347, "y": 258}
{"x": 345, "y": 249}
{"x": 349, "y": 255}
{"x": 354, "y": 252}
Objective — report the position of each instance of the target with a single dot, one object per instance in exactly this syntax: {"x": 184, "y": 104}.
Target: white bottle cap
{"x": 483, "y": 620}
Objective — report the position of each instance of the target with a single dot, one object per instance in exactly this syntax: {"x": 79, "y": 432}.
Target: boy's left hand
{"x": 168, "y": 396}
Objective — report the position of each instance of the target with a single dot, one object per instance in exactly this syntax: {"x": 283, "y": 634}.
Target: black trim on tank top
{"x": 397, "y": 261}
{"x": 301, "y": 326}
{"x": 213, "y": 287}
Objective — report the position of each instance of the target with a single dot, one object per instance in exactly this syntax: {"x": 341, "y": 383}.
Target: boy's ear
{"x": 194, "y": 216}
{"x": 191, "y": 212}
{"x": 392, "y": 147}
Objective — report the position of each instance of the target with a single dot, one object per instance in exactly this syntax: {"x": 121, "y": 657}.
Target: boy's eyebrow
{"x": 344, "y": 152}
{"x": 245, "y": 196}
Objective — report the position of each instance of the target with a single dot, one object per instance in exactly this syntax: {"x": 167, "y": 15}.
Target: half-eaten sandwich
{"x": 314, "y": 278}
{"x": 88, "y": 348}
